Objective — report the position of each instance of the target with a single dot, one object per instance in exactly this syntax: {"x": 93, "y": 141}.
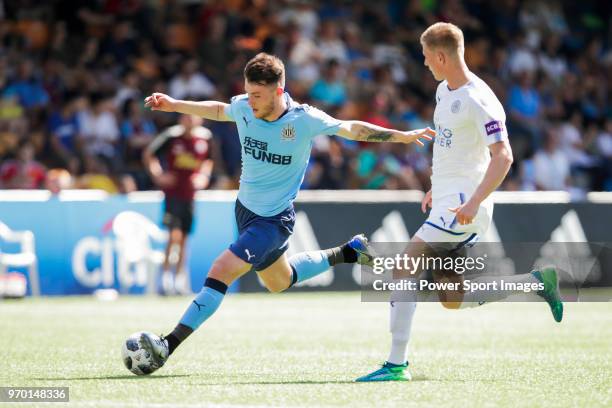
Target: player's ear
{"x": 441, "y": 57}
{"x": 279, "y": 90}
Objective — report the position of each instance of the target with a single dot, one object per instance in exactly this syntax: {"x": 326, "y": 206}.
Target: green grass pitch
{"x": 306, "y": 349}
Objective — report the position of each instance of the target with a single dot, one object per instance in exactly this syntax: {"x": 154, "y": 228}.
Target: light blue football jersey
{"x": 275, "y": 154}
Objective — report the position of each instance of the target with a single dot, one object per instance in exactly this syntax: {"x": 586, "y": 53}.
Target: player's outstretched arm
{"x": 367, "y": 132}
{"x": 212, "y": 110}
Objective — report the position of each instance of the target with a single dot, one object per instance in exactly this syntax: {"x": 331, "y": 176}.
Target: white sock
{"x": 167, "y": 282}
{"x": 181, "y": 283}
{"x": 399, "y": 350}
{"x": 402, "y": 308}
{"x": 481, "y": 297}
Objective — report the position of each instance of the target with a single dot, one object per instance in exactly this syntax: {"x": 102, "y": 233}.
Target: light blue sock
{"x": 205, "y": 304}
{"x": 307, "y": 265}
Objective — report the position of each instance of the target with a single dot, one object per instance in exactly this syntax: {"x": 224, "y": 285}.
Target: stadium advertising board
{"x": 324, "y": 225}
{"x": 81, "y": 246}
{"x": 88, "y": 244}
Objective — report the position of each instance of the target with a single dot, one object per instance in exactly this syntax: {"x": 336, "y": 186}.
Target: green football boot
{"x": 551, "y": 293}
{"x": 388, "y": 372}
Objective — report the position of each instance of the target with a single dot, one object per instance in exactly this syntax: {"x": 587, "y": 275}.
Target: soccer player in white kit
{"x": 471, "y": 157}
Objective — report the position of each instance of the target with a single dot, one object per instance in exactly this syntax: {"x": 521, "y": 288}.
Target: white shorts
{"x": 442, "y": 225}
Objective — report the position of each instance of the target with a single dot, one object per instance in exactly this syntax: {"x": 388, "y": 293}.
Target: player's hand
{"x": 165, "y": 180}
{"x": 426, "y": 201}
{"x": 418, "y": 136}
{"x": 160, "y": 102}
{"x": 465, "y": 213}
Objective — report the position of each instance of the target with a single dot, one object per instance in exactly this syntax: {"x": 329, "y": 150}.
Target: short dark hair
{"x": 265, "y": 69}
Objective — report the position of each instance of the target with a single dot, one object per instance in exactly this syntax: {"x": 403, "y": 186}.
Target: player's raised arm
{"x": 367, "y": 132}
{"x": 212, "y": 110}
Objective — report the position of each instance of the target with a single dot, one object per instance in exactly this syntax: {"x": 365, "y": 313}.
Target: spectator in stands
{"x": 99, "y": 131}
{"x": 524, "y": 108}
{"x": 23, "y": 172}
{"x": 63, "y": 127}
{"x": 303, "y": 57}
{"x": 548, "y": 61}
{"x": 97, "y": 176}
{"x": 329, "y": 91}
{"x": 551, "y": 167}
{"x": 137, "y": 132}
{"x": 28, "y": 89}
{"x": 129, "y": 89}
{"x": 604, "y": 147}
{"x": 189, "y": 83}
{"x": 329, "y": 167}
{"x": 58, "y": 180}
{"x": 331, "y": 45}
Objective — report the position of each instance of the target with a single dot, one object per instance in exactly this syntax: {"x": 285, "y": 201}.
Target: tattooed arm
{"x": 367, "y": 132}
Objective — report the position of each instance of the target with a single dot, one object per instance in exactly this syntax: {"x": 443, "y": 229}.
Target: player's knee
{"x": 176, "y": 235}
{"x": 451, "y": 305}
{"x": 276, "y": 286}
{"x": 221, "y": 270}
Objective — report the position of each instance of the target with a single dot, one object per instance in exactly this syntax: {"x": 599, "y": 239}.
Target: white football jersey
{"x": 467, "y": 121}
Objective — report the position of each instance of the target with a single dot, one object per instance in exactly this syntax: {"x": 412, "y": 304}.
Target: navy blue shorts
{"x": 262, "y": 240}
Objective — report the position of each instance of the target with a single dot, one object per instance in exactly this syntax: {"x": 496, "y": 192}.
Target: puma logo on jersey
{"x": 248, "y": 254}
{"x": 246, "y": 122}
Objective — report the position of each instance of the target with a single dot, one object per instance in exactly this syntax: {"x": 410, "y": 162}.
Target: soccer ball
{"x": 139, "y": 357}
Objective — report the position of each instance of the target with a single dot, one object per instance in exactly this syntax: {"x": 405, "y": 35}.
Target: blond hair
{"x": 445, "y": 36}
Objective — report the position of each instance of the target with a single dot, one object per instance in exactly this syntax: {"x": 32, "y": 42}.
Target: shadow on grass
{"x": 290, "y": 382}
{"x": 418, "y": 378}
{"x": 271, "y": 382}
{"x": 115, "y": 377}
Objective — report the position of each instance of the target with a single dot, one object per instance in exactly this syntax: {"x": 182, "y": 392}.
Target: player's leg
{"x": 455, "y": 240}
{"x": 267, "y": 239}
{"x": 307, "y": 265}
{"x": 285, "y": 272}
{"x": 401, "y": 313}
{"x": 172, "y": 221}
{"x": 181, "y": 282}
{"x": 228, "y": 267}
{"x": 166, "y": 277}
{"x": 175, "y": 237}
{"x": 225, "y": 270}
{"x": 277, "y": 277}
{"x": 548, "y": 277}
{"x": 493, "y": 292}
{"x": 490, "y": 288}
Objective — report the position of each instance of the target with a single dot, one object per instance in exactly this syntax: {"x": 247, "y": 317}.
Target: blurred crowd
{"x": 73, "y": 76}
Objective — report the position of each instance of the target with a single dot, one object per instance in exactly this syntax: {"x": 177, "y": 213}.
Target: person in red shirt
{"x": 23, "y": 172}
{"x": 179, "y": 163}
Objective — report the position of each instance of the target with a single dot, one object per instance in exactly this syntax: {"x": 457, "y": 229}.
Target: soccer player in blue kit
{"x": 276, "y": 135}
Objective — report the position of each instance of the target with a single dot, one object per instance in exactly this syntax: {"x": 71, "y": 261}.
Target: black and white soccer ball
{"x": 141, "y": 359}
